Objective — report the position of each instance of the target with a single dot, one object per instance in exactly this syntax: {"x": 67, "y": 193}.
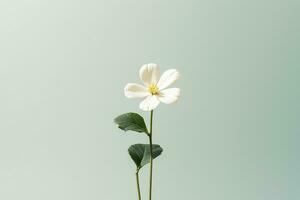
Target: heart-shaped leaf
{"x": 140, "y": 153}
{"x": 131, "y": 122}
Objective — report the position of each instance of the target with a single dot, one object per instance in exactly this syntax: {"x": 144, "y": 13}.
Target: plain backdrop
{"x": 233, "y": 135}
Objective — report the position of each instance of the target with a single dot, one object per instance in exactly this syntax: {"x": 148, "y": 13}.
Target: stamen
{"x": 153, "y": 89}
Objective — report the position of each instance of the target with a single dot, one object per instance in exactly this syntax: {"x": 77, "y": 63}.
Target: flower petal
{"x": 149, "y": 103}
{"x": 149, "y": 73}
{"x": 133, "y": 90}
{"x": 169, "y": 95}
{"x": 168, "y": 77}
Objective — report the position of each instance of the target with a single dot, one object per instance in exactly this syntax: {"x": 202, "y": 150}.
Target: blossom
{"x": 154, "y": 89}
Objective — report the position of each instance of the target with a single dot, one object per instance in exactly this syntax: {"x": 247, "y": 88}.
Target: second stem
{"x": 151, "y": 155}
{"x": 138, "y": 183}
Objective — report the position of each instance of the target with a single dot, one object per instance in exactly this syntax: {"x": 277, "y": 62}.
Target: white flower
{"x": 154, "y": 89}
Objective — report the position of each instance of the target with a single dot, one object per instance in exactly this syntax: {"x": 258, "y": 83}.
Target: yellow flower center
{"x": 153, "y": 89}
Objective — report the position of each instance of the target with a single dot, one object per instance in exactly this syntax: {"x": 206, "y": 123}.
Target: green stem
{"x": 138, "y": 183}
{"x": 151, "y": 158}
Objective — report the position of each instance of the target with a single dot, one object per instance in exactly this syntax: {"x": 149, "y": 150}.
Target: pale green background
{"x": 234, "y": 134}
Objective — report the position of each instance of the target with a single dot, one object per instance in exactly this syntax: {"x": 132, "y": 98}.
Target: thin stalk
{"x": 138, "y": 184}
{"x": 151, "y": 158}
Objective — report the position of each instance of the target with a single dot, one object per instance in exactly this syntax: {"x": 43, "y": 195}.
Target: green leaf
{"x": 140, "y": 153}
{"x": 131, "y": 122}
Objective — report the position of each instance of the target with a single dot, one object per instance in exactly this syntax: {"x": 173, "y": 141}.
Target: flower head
{"x": 154, "y": 89}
